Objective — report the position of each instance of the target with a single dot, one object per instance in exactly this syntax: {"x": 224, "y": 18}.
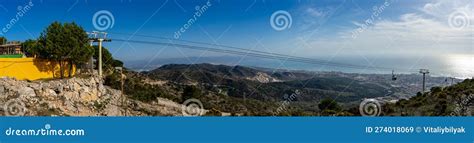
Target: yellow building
{"x": 14, "y": 64}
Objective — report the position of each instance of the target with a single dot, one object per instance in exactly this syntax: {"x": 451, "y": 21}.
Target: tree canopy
{"x": 329, "y": 104}
{"x": 2, "y": 40}
{"x": 108, "y": 60}
{"x": 31, "y": 46}
{"x": 65, "y": 43}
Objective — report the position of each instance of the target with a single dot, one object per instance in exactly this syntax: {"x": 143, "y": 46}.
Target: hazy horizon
{"x": 399, "y": 68}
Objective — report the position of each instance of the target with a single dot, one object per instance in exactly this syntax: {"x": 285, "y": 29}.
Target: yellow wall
{"x": 30, "y": 68}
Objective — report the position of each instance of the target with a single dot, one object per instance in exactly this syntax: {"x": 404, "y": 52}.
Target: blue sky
{"x": 325, "y": 29}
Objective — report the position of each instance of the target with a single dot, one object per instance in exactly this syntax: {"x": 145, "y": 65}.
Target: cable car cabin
{"x": 11, "y": 50}
{"x": 394, "y": 77}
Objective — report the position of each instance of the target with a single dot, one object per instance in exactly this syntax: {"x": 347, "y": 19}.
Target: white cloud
{"x": 426, "y": 31}
{"x": 431, "y": 8}
{"x": 311, "y": 16}
{"x": 315, "y": 12}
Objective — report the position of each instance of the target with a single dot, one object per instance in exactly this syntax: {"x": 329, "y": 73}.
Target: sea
{"x": 461, "y": 66}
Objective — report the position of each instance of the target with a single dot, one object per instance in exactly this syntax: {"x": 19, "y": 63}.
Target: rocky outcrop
{"x": 75, "y": 97}
{"x": 263, "y": 78}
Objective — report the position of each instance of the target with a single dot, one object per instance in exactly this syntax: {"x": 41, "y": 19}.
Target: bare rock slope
{"x": 75, "y": 97}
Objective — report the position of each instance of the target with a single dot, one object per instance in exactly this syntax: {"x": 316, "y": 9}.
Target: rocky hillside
{"x": 266, "y": 84}
{"x": 75, "y": 97}
{"x": 208, "y": 73}
{"x": 455, "y": 100}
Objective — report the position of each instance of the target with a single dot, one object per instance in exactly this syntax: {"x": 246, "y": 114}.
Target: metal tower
{"x": 424, "y": 72}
